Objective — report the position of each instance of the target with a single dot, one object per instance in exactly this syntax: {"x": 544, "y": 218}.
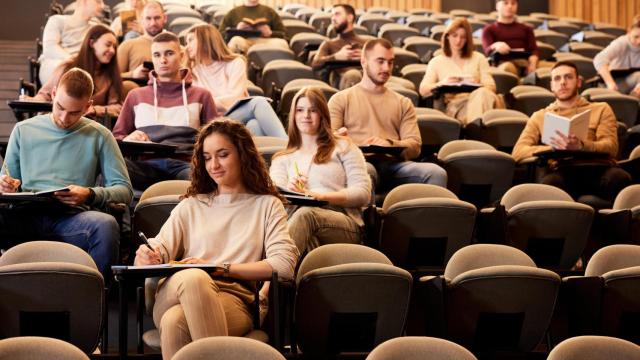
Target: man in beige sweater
{"x": 133, "y": 53}
{"x": 602, "y": 137}
{"x": 371, "y": 114}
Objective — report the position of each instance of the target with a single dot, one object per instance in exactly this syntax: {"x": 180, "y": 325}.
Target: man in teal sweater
{"x": 65, "y": 149}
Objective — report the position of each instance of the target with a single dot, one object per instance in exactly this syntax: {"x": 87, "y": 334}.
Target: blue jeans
{"x": 392, "y": 173}
{"x": 259, "y": 117}
{"x": 144, "y": 173}
{"x": 94, "y": 232}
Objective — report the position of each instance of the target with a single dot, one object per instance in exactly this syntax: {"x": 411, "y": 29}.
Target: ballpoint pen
{"x": 144, "y": 240}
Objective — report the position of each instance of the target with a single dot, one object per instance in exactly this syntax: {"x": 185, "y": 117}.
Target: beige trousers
{"x": 467, "y": 107}
{"x": 241, "y": 45}
{"x": 346, "y": 79}
{"x": 190, "y": 305}
{"x": 519, "y": 66}
{"x": 311, "y": 227}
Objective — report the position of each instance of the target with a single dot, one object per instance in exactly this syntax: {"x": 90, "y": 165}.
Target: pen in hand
{"x": 145, "y": 240}
{"x": 297, "y": 170}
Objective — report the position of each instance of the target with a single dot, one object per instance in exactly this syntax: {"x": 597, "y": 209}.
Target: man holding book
{"x": 506, "y": 36}
{"x": 601, "y": 136}
{"x": 371, "y": 114}
{"x": 65, "y": 150}
{"x": 253, "y": 17}
{"x": 169, "y": 111}
{"x": 346, "y": 46}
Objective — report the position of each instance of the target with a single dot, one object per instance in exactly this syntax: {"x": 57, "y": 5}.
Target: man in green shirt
{"x": 254, "y": 16}
{"x": 65, "y": 149}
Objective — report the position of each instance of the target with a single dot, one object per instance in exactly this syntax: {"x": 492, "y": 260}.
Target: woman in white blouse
{"x": 217, "y": 69}
{"x": 232, "y": 216}
{"x": 458, "y": 63}
{"x": 325, "y": 166}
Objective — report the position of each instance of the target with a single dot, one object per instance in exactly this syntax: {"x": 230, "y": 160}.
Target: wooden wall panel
{"x": 618, "y": 12}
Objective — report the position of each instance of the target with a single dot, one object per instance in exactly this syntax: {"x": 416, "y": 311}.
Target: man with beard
{"x": 602, "y": 137}
{"x": 371, "y": 114}
{"x": 133, "y": 53}
{"x": 346, "y": 46}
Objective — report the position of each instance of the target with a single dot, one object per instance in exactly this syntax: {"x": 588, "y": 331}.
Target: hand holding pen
{"x": 146, "y": 255}
{"x": 7, "y": 183}
{"x": 299, "y": 183}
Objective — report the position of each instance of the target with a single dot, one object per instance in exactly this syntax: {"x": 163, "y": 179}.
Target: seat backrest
{"x": 279, "y": 72}
{"x": 457, "y": 146}
{"x": 625, "y": 107}
{"x": 419, "y": 348}
{"x": 151, "y": 213}
{"x": 504, "y": 307}
{"x": 635, "y": 153}
{"x": 406, "y": 192}
{"x": 479, "y": 256}
{"x": 349, "y": 298}
{"x": 46, "y": 251}
{"x": 595, "y": 348}
{"x": 437, "y": 129}
{"x": 167, "y": 187}
{"x": 55, "y": 293}
{"x": 33, "y": 347}
{"x": 422, "y": 232}
{"x": 227, "y": 347}
{"x": 613, "y": 257}
{"x": 533, "y": 192}
{"x": 628, "y": 198}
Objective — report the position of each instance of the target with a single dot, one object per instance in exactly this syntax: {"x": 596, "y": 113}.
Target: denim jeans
{"x": 259, "y": 117}
{"x": 144, "y": 173}
{"x": 390, "y": 174}
{"x": 94, "y": 232}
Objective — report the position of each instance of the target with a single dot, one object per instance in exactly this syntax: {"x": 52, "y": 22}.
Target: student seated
{"x": 98, "y": 57}
{"x": 215, "y": 68}
{"x": 459, "y": 63}
{"x": 133, "y": 53}
{"x": 65, "y": 149}
{"x": 622, "y": 53}
{"x": 346, "y": 46}
{"x": 508, "y": 34}
{"x": 602, "y": 137}
{"x": 241, "y": 17}
{"x": 133, "y": 25}
{"x": 231, "y": 216}
{"x": 63, "y": 34}
{"x": 169, "y": 110}
{"x": 371, "y": 114}
{"x": 325, "y": 166}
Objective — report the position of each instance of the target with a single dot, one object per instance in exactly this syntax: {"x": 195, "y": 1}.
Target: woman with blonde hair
{"x": 217, "y": 69}
{"x": 233, "y": 216}
{"x": 457, "y": 63}
{"x": 325, "y": 166}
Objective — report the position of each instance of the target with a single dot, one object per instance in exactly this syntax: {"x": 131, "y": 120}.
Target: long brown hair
{"x": 326, "y": 140}
{"x": 458, "y": 23}
{"x": 255, "y": 175}
{"x": 87, "y": 60}
{"x": 211, "y": 46}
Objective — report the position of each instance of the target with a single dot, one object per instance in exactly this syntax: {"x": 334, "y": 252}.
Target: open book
{"x": 256, "y": 22}
{"x": 577, "y": 125}
{"x": 466, "y": 84}
{"x": 286, "y": 192}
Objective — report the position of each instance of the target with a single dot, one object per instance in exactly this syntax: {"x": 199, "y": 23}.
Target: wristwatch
{"x": 225, "y": 269}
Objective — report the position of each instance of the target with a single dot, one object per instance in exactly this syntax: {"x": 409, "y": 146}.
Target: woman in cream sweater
{"x": 458, "y": 63}
{"x": 325, "y": 166}
{"x": 231, "y": 216}
{"x": 217, "y": 69}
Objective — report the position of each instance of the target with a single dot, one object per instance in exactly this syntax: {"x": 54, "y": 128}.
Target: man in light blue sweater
{"x": 65, "y": 149}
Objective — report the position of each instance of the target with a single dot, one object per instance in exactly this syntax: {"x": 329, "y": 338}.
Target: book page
{"x": 580, "y": 125}
{"x": 553, "y": 123}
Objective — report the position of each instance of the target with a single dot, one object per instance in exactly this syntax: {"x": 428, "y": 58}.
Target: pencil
{"x": 297, "y": 170}
{"x": 5, "y": 167}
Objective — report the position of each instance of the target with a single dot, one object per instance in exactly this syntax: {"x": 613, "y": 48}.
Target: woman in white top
{"x": 133, "y": 26}
{"x": 459, "y": 62}
{"x": 63, "y": 34}
{"x": 231, "y": 216}
{"x": 325, "y": 166}
{"x": 217, "y": 69}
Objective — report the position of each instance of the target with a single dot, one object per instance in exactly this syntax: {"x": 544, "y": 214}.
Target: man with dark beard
{"x": 602, "y": 137}
{"x": 346, "y": 46}
{"x": 371, "y": 114}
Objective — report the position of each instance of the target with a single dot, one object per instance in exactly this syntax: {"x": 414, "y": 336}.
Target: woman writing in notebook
{"x": 97, "y": 56}
{"x": 325, "y": 166}
{"x": 231, "y": 215}
{"x": 460, "y": 63}
{"x": 217, "y": 69}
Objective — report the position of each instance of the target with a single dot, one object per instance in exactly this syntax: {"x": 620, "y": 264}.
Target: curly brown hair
{"x": 255, "y": 175}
